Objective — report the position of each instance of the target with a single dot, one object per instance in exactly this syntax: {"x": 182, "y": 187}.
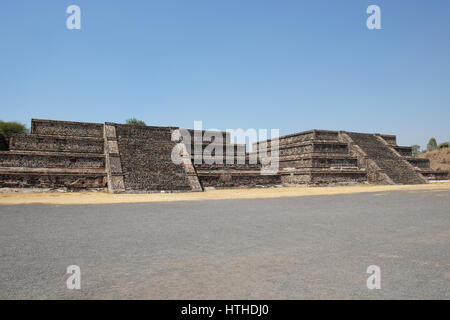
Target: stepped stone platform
{"x": 315, "y": 157}
{"x": 55, "y": 155}
{"x": 76, "y": 156}
{"x": 326, "y": 157}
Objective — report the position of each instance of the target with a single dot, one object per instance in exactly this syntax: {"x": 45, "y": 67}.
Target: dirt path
{"x": 103, "y": 198}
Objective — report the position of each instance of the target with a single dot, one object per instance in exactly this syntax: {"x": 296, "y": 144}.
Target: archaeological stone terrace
{"x": 75, "y": 156}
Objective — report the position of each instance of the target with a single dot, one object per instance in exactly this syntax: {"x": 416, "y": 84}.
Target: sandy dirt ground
{"x": 439, "y": 159}
{"x": 224, "y": 194}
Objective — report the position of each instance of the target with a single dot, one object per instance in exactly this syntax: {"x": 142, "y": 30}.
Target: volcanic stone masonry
{"x": 126, "y": 158}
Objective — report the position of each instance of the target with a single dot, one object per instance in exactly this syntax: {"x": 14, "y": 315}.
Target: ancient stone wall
{"x": 51, "y": 160}
{"x": 390, "y": 139}
{"x": 52, "y": 180}
{"x": 225, "y": 135}
{"x": 145, "y": 154}
{"x": 128, "y": 158}
{"x": 419, "y": 162}
{"x": 313, "y": 176}
{"x": 66, "y": 128}
{"x": 55, "y": 155}
{"x": 404, "y": 151}
{"x": 318, "y": 162}
{"x": 235, "y": 179}
{"x": 313, "y": 147}
{"x": 314, "y": 157}
{"x": 296, "y": 139}
{"x": 38, "y": 142}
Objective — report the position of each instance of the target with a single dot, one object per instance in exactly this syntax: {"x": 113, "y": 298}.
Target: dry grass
{"x": 439, "y": 159}
{"x": 103, "y": 197}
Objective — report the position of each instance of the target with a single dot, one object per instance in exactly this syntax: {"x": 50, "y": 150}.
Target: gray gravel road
{"x": 286, "y": 248}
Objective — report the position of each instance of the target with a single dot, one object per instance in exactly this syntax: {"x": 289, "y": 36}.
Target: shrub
{"x": 7, "y": 129}
{"x": 3, "y": 144}
{"x": 135, "y": 122}
{"x": 415, "y": 150}
{"x": 443, "y": 145}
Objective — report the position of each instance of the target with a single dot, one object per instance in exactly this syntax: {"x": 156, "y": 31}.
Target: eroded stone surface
{"x": 75, "y": 156}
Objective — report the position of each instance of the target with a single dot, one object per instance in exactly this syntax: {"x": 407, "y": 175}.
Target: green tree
{"x": 432, "y": 144}
{"x": 135, "y": 122}
{"x": 415, "y": 150}
{"x": 7, "y": 129}
{"x": 443, "y": 145}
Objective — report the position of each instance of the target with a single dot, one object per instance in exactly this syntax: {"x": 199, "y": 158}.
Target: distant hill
{"x": 439, "y": 159}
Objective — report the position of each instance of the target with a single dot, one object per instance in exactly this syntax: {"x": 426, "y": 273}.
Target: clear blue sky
{"x": 292, "y": 65}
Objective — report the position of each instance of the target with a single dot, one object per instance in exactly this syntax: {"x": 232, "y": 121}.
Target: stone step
{"x": 51, "y": 170}
{"x": 317, "y": 161}
{"x": 315, "y": 142}
{"x": 199, "y": 167}
{"x": 249, "y": 172}
{"x": 389, "y": 138}
{"x": 66, "y": 128}
{"x": 321, "y": 170}
{"x": 39, "y": 159}
{"x": 237, "y": 178}
{"x": 235, "y": 161}
{"x": 314, "y": 147}
{"x": 434, "y": 175}
{"x": 53, "y": 179}
{"x": 50, "y": 143}
{"x": 209, "y": 133}
{"x": 404, "y": 151}
{"x": 310, "y": 135}
{"x": 317, "y": 155}
{"x": 419, "y": 162}
{"x": 319, "y": 147}
{"x": 323, "y": 176}
{"x": 234, "y": 149}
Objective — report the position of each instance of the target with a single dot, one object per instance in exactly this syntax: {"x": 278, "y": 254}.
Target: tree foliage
{"x": 415, "y": 150}
{"x": 443, "y": 145}
{"x": 7, "y": 129}
{"x": 432, "y": 145}
{"x": 135, "y": 122}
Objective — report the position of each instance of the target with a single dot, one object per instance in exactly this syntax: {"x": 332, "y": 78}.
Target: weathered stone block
{"x": 113, "y": 147}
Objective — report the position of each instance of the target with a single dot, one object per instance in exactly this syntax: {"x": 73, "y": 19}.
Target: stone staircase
{"x": 421, "y": 166}
{"x": 387, "y": 162}
{"x": 55, "y": 155}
